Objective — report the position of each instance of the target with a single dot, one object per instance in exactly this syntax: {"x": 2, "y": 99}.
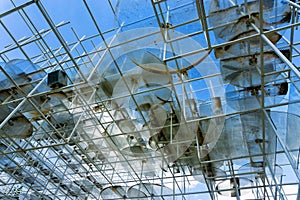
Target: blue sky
{"x": 73, "y": 11}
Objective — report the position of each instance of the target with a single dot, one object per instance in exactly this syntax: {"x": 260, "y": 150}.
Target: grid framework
{"x": 88, "y": 133}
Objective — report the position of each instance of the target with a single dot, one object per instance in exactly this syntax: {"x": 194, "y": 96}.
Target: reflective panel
{"x": 127, "y": 137}
{"x": 255, "y": 136}
{"x": 257, "y": 170}
{"x": 287, "y": 125}
{"x": 250, "y": 98}
{"x": 21, "y": 71}
{"x": 243, "y": 71}
{"x": 152, "y": 191}
{"x": 234, "y": 187}
{"x": 234, "y": 18}
{"x": 113, "y": 192}
{"x": 232, "y": 142}
{"x": 153, "y": 99}
{"x": 17, "y": 127}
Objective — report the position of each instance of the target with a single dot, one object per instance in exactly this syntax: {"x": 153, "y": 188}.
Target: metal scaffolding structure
{"x": 149, "y": 99}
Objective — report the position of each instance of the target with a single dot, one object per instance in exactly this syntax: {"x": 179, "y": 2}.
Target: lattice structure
{"x": 149, "y": 99}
